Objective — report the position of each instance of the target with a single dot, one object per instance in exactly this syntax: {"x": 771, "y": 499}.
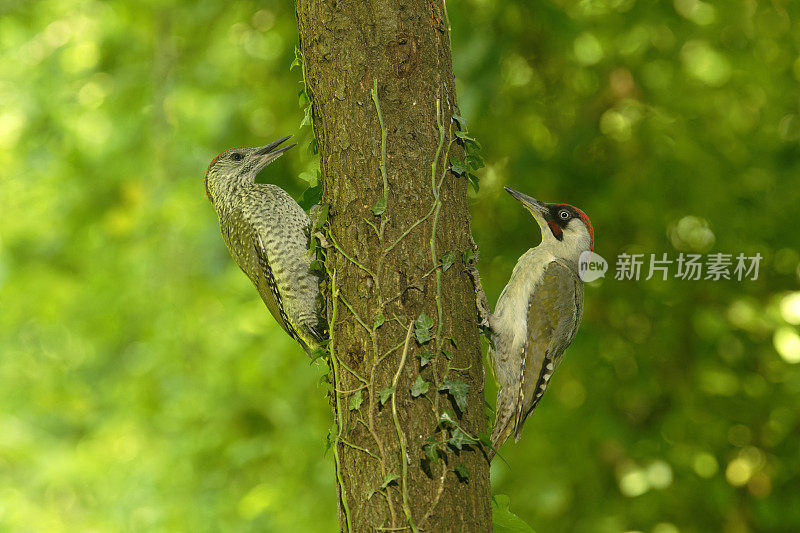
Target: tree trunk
{"x": 407, "y": 389}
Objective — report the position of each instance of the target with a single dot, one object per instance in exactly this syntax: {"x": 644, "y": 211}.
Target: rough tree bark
{"x": 379, "y": 76}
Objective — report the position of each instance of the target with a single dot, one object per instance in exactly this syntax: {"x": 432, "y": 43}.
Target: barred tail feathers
{"x": 505, "y": 419}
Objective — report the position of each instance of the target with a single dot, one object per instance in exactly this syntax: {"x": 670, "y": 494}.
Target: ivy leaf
{"x": 462, "y": 472}
{"x": 419, "y": 387}
{"x": 319, "y": 353}
{"x": 385, "y": 393}
{"x": 475, "y": 161}
{"x": 302, "y": 98}
{"x": 447, "y": 260}
{"x": 378, "y": 321}
{"x": 422, "y": 328}
{"x": 459, "y": 439}
{"x": 447, "y": 354}
{"x": 311, "y": 175}
{"x": 468, "y": 256}
{"x": 458, "y": 390}
{"x": 474, "y": 181}
{"x": 389, "y": 479}
{"x": 457, "y": 166}
{"x": 379, "y": 207}
{"x": 471, "y": 145}
{"x": 464, "y": 136}
{"x": 431, "y": 452}
{"x": 313, "y": 147}
{"x": 423, "y": 322}
{"x": 462, "y": 123}
{"x": 316, "y": 265}
{"x": 424, "y": 358}
{"x": 298, "y": 61}
{"x": 447, "y": 420}
{"x": 502, "y": 517}
{"x": 356, "y": 401}
{"x": 422, "y": 335}
{"x": 311, "y": 196}
{"x": 307, "y": 116}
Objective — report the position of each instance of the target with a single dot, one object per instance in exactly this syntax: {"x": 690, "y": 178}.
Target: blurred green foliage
{"x": 143, "y": 386}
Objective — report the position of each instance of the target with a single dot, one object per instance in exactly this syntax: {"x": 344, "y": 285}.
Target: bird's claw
{"x": 322, "y": 240}
{"x": 481, "y": 302}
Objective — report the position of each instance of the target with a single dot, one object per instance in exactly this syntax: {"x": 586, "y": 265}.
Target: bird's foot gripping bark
{"x": 481, "y": 302}
{"x": 484, "y": 311}
{"x": 322, "y": 240}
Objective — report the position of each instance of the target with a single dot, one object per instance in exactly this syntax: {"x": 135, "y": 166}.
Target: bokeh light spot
{"x": 256, "y": 501}
{"x": 94, "y": 92}
{"x": 634, "y": 483}
{"x": 659, "y": 474}
{"x": 79, "y": 57}
{"x": 516, "y": 71}
{"x": 701, "y": 13}
{"x": 787, "y": 344}
{"x": 790, "y": 308}
{"x": 742, "y": 468}
{"x": 665, "y": 527}
{"x": 705, "y": 465}
{"x": 12, "y": 122}
{"x": 616, "y": 125}
{"x": 738, "y": 472}
{"x": 572, "y": 393}
{"x": 588, "y": 50}
{"x": 705, "y": 64}
{"x": 691, "y": 233}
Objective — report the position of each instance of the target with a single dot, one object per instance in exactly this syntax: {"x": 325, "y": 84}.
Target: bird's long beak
{"x": 270, "y": 152}
{"x": 538, "y": 209}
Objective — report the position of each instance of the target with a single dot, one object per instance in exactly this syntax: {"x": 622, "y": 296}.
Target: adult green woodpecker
{"x": 538, "y": 313}
{"x": 268, "y": 233}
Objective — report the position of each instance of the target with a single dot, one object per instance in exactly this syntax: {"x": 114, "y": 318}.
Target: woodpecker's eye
{"x": 236, "y": 156}
{"x": 564, "y": 214}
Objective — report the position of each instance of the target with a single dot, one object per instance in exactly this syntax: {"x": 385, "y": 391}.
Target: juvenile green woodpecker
{"x": 538, "y": 313}
{"x": 268, "y": 233}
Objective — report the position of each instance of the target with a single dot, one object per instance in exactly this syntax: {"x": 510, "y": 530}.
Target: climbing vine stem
{"x": 404, "y": 459}
{"x": 338, "y": 405}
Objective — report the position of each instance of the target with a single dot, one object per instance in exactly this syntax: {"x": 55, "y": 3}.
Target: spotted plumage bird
{"x": 268, "y": 233}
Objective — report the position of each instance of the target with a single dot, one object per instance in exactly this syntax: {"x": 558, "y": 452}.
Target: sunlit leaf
{"x": 379, "y": 207}
{"x": 355, "y": 401}
{"x": 419, "y": 387}
{"x": 504, "y": 520}
{"x": 459, "y": 439}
